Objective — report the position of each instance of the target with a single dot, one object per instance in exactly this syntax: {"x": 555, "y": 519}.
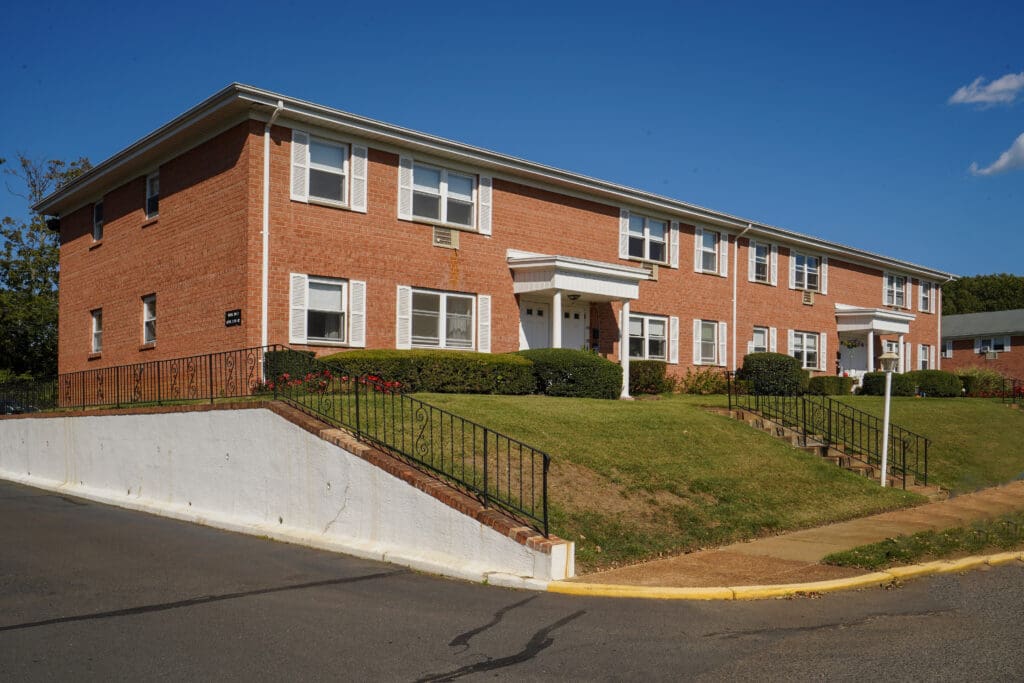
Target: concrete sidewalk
{"x": 795, "y": 557}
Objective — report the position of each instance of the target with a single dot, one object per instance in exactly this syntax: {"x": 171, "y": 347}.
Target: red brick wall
{"x": 1009, "y": 363}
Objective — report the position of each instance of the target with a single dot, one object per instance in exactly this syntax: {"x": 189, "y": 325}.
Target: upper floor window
{"x": 806, "y": 272}
{"x": 895, "y": 290}
{"x": 328, "y": 168}
{"x": 947, "y": 349}
{"x": 97, "y": 331}
{"x": 97, "y": 221}
{"x": 149, "y": 319}
{"x": 648, "y": 337}
{"x": 648, "y": 238}
{"x": 926, "y": 298}
{"x": 709, "y": 251}
{"x": 804, "y": 347}
{"x": 985, "y": 344}
{"x": 328, "y": 172}
{"x": 762, "y": 262}
{"x": 153, "y": 195}
{"x": 442, "y": 195}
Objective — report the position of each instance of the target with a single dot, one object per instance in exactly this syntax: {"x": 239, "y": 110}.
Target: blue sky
{"x": 838, "y": 122}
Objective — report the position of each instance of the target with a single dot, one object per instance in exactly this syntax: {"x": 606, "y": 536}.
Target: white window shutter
{"x": 483, "y": 323}
{"x": 773, "y": 339}
{"x": 885, "y": 290}
{"x": 486, "y": 200}
{"x": 405, "y": 188}
{"x": 791, "y": 341}
{"x": 931, "y": 357}
{"x": 623, "y": 233}
{"x": 905, "y": 361}
{"x": 297, "y": 314}
{"x": 673, "y": 246}
{"x": 300, "y": 165}
{"x": 823, "y": 359}
{"x": 751, "y": 260}
{"x": 698, "y": 236}
{"x": 722, "y": 344}
{"x": 920, "y": 296}
{"x": 403, "y": 318}
{"x": 673, "y": 340}
{"x": 907, "y": 294}
{"x": 774, "y": 265}
{"x": 723, "y": 259}
{"x": 824, "y": 274}
{"x": 357, "y": 313}
{"x": 792, "y": 269}
{"x": 360, "y": 171}
{"x": 696, "y": 342}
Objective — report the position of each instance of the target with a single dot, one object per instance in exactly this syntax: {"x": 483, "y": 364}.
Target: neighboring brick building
{"x": 330, "y": 231}
{"x": 993, "y": 341}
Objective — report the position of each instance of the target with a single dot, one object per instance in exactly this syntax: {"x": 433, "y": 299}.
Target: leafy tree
{"x": 29, "y": 260}
{"x": 983, "y": 294}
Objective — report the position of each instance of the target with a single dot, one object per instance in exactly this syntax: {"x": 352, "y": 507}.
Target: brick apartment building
{"x": 324, "y": 230}
{"x": 992, "y": 341}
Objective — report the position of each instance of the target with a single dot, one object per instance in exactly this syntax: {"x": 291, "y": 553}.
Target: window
{"x": 993, "y": 344}
{"x": 947, "y": 349}
{"x": 328, "y": 164}
{"x": 895, "y": 290}
{"x": 149, "y": 319}
{"x": 97, "y": 330}
{"x": 760, "y": 341}
{"x": 709, "y": 251}
{"x": 926, "y": 297}
{"x": 805, "y": 349}
{"x": 442, "y": 320}
{"x": 924, "y": 354}
{"x": 153, "y": 195}
{"x": 647, "y": 238}
{"x": 708, "y": 342}
{"x": 442, "y": 195}
{"x": 760, "y": 260}
{"x": 325, "y": 310}
{"x": 648, "y": 337}
{"x": 806, "y": 272}
{"x": 97, "y": 221}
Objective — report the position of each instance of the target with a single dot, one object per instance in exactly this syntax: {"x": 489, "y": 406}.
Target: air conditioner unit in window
{"x": 991, "y": 355}
{"x": 446, "y": 238}
{"x": 808, "y": 297}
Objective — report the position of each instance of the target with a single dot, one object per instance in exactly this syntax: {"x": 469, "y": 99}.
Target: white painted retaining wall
{"x": 254, "y": 472}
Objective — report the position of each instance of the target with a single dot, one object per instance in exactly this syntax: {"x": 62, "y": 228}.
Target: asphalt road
{"x": 93, "y": 592}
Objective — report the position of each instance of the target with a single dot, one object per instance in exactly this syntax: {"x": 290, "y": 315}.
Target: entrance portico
{"x": 858, "y": 328}
{"x": 555, "y": 293}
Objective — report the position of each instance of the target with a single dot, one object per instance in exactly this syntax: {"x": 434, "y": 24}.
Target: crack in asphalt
{"x": 825, "y": 627}
{"x": 192, "y": 602}
{"x": 538, "y": 642}
{"x": 464, "y": 638}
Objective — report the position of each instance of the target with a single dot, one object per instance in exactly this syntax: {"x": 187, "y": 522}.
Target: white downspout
{"x": 735, "y": 280}
{"x": 265, "y": 232}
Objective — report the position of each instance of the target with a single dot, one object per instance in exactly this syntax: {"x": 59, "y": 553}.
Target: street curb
{"x": 881, "y": 578}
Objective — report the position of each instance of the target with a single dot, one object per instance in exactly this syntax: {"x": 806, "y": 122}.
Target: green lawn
{"x": 975, "y": 442}
{"x": 633, "y": 480}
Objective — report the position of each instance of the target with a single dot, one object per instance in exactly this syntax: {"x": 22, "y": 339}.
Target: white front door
{"x": 534, "y": 325}
{"x": 853, "y": 356}
{"x": 574, "y": 326}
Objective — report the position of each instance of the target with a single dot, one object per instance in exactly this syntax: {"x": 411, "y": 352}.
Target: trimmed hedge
{"x": 981, "y": 381}
{"x": 937, "y": 383}
{"x": 830, "y": 386}
{"x": 293, "y": 363}
{"x": 580, "y": 374}
{"x": 451, "y": 372}
{"x": 874, "y": 384}
{"x": 648, "y": 377}
{"x": 773, "y": 374}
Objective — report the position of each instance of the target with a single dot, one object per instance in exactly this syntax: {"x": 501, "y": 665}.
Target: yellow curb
{"x": 609, "y": 590}
{"x": 1005, "y": 558}
{"x": 963, "y": 564}
{"x": 915, "y": 570}
{"x": 760, "y": 592}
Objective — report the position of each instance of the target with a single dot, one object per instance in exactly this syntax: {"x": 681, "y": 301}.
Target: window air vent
{"x": 446, "y": 238}
{"x": 808, "y": 297}
{"x": 654, "y": 271}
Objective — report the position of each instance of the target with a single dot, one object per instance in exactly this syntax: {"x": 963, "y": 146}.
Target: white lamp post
{"x": 889, "y": 361}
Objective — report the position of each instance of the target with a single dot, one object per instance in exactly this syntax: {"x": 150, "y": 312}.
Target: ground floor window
{"x": 149, "y": 319}
{"x": 805, "y": 349}
{"x": 924, "y": 354}
{"x": 947, "y": 349}
{"x": 760, "y": 341}
{"x": 648, "y": 337}
{"x": 327, "y": 310}
{"x": 97, "y": 330}
{"x": 708, "y": 342}
{"x": 442, "y": 320}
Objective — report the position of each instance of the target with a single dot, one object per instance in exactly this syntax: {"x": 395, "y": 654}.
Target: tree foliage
{"x": 29, "y": 268}
{"x": 983, "y": 294}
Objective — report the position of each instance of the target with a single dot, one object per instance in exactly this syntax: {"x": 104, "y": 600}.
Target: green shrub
{"x": 981, "y": 381}
{"x": 648, "y": 377}
{"x": 830, "y": 386}
{"x": 453, "y": 372}
{"x": 937, "y": 383}
{"x": 874, "y": 384}
{"x": 773, "y": 374}
{"x": 292, "y": 363}
{"x": 580, "y": 374}
{"x": 704, "y": 381}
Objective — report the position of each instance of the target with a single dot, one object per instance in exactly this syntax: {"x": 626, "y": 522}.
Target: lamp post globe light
{"x": 889, "y": 361}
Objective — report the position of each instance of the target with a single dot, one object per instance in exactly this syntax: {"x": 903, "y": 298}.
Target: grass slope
{"x": 632, "y": 480}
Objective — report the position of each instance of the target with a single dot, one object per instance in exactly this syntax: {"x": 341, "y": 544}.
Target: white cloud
{"x": 1003, "y": 90}
{"x": 1009, "y": 160}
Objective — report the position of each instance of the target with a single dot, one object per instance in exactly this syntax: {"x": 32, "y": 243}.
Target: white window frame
{"x": 646, "y": 336}
{"x": 149, "y": 315}
{"x": 895, "y": 296}
{"x": 344, "y": 172}
{"x": 96, "y": 316}
{"x": 715, "y": 251}
{"x": 1000, "y": 344}
{"x": 947, "y": 349}
{"x": 442, "y": 194}
{"x": 343, "y": 285}
{"x": 771, "y": 260}
{"x": 754, "y": 348}
{"x": 151, "y": 180}
{"x": 924, "y": 355}
{"x": 799, "y": 339}
{"x": 646, "y": 238}
{"x": 803, "y": 272}
{"x": 442, "y": 316}
{"x": 926, "y": 296}
{"x": 97, "y": 222}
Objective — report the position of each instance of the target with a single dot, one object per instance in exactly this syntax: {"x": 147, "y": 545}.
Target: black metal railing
{"x": 1011, "y": 390}
{"x": 496, "y": 468}
{"x": 824, "y": 421}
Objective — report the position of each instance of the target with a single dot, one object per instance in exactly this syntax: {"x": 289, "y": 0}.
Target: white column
{"x": 556, "y": 320}
{"x": 871, "y": 350}
{"x": 624, "y": 347}
{"x": 903, "y": 356}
